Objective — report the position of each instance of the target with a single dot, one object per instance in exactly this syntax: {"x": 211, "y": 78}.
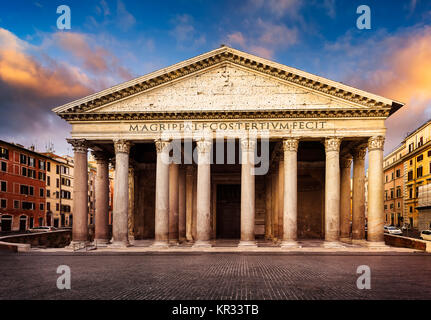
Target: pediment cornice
{"x": 229, "y": 55}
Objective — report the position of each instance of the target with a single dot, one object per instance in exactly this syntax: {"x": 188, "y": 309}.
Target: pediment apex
{"x": 231, "y": 56}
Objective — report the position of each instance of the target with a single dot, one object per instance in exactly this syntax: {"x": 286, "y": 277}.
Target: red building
{"x": 23, "y": 188}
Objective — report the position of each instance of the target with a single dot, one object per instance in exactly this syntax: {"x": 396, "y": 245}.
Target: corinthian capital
{"x": 79, "y": 145}
{"x": 100, "y": 156}
{"x": 162, "y": 145}
{"x": 376, "y": 143}
{"x": 204, "y": 145}
{"x": 248, "y": 144}
{"x": 346, "y": 161}
{"x": 291, "y": 144}
{"x": 360, "y": 152}
{"x": 122, "y": 146}
{"x": 332, "y": 144}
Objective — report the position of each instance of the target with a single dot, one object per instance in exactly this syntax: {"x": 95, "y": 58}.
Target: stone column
{"x": 203, "y": 216}
{"x": 345, "y": 193}
{"x": 173, "y": 203}
{"x": 375, "y": 192}
{"x": 101, "y": 237}
{"x": 280, "y": 187}
{"x": 275, "y": 205}
{"x": 162, "y": 195}
{"x": 247, "y": 193}
{"x": 358, "y": 198}
{"x": 80, "y": 192}
{"x": 332, "y": 193}
{"x": 189, "y": 203}
{"x": 182, "y": 205}
{"x": 131, "y": 208}
{"x": 120, "y": 230}
{"x": 268, "y": 207}
{"x": 290, "y": 194}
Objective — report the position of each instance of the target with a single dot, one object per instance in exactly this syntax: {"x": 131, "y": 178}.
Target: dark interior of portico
{"x": 226, "y": 190}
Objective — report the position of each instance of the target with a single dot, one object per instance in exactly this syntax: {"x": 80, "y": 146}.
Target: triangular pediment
{"x": 227, "y": 80}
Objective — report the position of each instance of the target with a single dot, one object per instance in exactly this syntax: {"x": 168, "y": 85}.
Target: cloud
{"x": 125, "y": 20}
{"x": 278, "y": 8}
{"x": 395, "y": 66}
{"x": 264, "y": 39}
{"x": 32, "y": 82}
{"x": 185, "y": 33}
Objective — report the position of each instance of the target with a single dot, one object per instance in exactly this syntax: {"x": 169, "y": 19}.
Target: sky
{"x": 112, "y": 41}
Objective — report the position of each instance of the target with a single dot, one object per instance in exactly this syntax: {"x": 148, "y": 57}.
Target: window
{"x": 386, "y": 195}
{"x": 48, "y": 180}
{"x": 411, "y": 209}
{"x": 31, "y": 162}
{"x": 23, "y": 189}
{"x": 41, "y": 164}
{"x": 386, "y": 206}
{"x": 3, "y": 186}
{"x": 421, "y": 142}
{"x": 392, "y": 176}
{"x": 411, "y": 162}
{"x": 41, "y": 193}
{"x": 31, "y": 173}
{"x": 410, "y": 176}
{"x": 411, "y": 147}
{"x": 22, "y": 159}
{"x": 411, "y": 193}
{"x": 27, "y": 205}
{"x": 57, "y": 169}
{"x": 398, "y": 192}
{"x": 3, "y": 203}
{"x": 24, "y": 171}
{"x": 392, "y": 206}
{"x": 420, "y": 158}
{"x": 419, "y": 172}
{"x": 48, "y": 206}
{"x": 31, "y": 191}
{"x": 399, "y": 205}
{"x": 429, "y": 153}
{"x": 16, "y": 204}
{"x": 48, "y": 166}
{"x": 392, "y": 193}
{"x": 58, "y": 183}
{"x": 4, "y": 153}
{"x": 41, "y": 207}
{"x": 398, "y": 173}
{"x": 57, "y": 206}
{"x": 4, "y": 166}
{"x": 386, "y": 178}
{"x": 48, "y": 193}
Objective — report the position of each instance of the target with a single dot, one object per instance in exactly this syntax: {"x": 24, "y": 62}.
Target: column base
{"x": 200, "y": 244}
{"x": 160, "y": 244}
{"x": 174, "y": 243}
{"x": 289, "y": 244}
{"x": 345, "y": 239}
{"x": 76, "y": 245}
{"x": 376, "y": 245}
{"x": 116, "y": 244}
{"x": 247, "y": 244}
{"x": 333, "y": 245}
{"x": 361, "y": 242}
{"x": 101, "y": 242}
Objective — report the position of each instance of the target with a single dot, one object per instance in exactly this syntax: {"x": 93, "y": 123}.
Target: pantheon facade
{"x": 227, "y": 145}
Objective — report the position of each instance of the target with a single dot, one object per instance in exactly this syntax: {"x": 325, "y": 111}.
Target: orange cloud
{"x": 20, "y": 70}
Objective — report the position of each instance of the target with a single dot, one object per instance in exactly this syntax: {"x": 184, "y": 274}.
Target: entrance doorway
{"x": 22, "y": 223}
{"x": 6, "y": 223}
{"x": 228, "y": 211}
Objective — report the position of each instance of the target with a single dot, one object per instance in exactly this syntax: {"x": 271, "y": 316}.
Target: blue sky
{"x": 115, "y": 40}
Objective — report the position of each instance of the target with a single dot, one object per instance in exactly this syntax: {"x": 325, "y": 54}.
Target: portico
{"x": 228, "y": 135}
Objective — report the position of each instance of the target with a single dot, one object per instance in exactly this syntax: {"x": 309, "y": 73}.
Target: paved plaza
{"x": 194, "y": 276}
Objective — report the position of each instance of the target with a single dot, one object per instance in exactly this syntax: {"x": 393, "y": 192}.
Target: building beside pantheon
{"x": 228, "y": 145}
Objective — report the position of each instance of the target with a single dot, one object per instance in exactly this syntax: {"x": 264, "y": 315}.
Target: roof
{"x": 22, "y": 148}
{"x": 220, "y": 55}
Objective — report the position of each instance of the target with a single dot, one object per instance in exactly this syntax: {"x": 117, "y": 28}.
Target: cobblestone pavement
{"x": 197, "y": 276}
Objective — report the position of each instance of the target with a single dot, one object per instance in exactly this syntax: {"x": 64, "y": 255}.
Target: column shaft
{"x": 280, "y": 197}
{"x": 247, "y": 192}
{"x": 173, "y": 203}
{"x": 332, "y": 192}
{"x": 182, "y": 204}
{"x": 375, "y": 191}
{"x": 203, "y": 218}
{"x": 102, "y": 199}
{"x": 162, "y": 194}
{"x": 121, "y": 194}
{"x": 290, "y": 193}
{"x": 345, "y": 196}
{"x": 268, "y": 207}
{"x": 358, "y": 198}
{"x": 80, "y": 192}
{"x": 189, "y": 203}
